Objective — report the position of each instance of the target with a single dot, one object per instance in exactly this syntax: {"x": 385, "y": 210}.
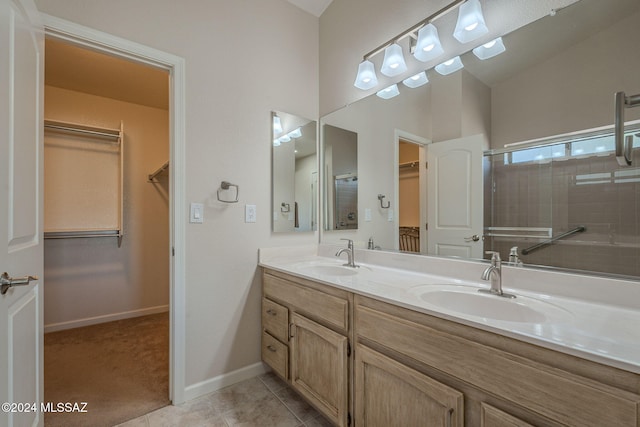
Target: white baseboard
{"x": 224, "y": 380}
{"x": 52, "y": 327}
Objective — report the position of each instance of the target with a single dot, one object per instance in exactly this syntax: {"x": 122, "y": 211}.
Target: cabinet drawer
{"x": 318, "y": 305}
{"x": 494, "y": 417}
{"x": 276, "y": 355}
{"x": 275, "y": 319}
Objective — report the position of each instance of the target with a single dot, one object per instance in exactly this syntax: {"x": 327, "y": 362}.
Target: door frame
{"x": 423, "y": 144}
{"x": 79, "y": 35}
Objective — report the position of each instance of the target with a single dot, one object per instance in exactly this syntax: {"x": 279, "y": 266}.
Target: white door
{"x": 21, "y": 247}
{"x": 455, "y": 195}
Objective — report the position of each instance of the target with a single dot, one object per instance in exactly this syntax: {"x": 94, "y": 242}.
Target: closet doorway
{"x": 107, "y": 233}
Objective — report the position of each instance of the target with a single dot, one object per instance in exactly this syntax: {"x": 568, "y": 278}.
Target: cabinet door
{"x": 319, "y": 367}
{"x": 391, "y": 394}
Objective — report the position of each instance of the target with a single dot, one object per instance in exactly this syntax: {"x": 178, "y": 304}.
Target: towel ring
{"x": 381, "y": 197}
{"x": 225, "y": 185}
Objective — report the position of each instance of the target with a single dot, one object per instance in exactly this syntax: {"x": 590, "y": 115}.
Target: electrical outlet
{"x": 390, "y": 215}
{"x": 249, "y": 213}
{"x": 367, "y": 214}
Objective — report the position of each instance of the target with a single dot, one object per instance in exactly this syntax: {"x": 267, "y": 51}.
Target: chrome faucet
{"x": 494, "y": 274}
{"x": 349, "y": 251}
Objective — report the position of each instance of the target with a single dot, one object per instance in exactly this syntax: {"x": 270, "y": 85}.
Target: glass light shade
{"x": 366, "y": 78}
{"x": 416, "y": 81}
{"x": 489, "y": 50}
{"x": 277, "y": 125}
{"x": 450, "y": 66}
{"x": 284, "y": 138}
{"x": 428, "y": 45}
{"x": 276, "y": 143}
{"x": 296, "y": 133}
{"x": 393, "y": 63}
{"x": 389, "y": 92}
{"x": 470, "y": 23}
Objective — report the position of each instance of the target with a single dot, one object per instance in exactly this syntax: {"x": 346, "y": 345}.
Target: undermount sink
{"x": 466, "y": 300}
{"x": 330, "y": 270}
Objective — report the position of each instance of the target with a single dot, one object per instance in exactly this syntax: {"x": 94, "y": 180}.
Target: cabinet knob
{"x": 271, "y": 348}
{"x": 272, "y": 312}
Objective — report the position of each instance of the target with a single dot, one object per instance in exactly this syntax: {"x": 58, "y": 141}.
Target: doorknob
{"x": 7, "y": 282}
{"x": 473, "y": 238}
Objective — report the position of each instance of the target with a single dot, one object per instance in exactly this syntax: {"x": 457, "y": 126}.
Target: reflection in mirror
{"x": 557, "y": 76}
{"x": 294, "y": 173}
{"x": 341, "y": 173}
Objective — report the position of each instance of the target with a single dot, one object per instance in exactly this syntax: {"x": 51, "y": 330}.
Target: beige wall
{"x": 90, "y": 280}
{"x": 243, "y": 60}
{"x": 605, "y": 63}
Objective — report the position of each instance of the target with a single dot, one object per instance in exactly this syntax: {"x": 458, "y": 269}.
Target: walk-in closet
{"x": 107, "y": 235}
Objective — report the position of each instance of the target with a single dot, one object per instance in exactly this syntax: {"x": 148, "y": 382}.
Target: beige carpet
{"x": 121, "y": 369}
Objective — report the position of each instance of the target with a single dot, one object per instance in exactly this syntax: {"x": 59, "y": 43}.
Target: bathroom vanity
{"x": 370, "y": 347}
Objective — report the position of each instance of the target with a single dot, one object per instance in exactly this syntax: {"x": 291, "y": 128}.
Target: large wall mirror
{"x": 511, "y": 151}
{"x": 294, "y": 173}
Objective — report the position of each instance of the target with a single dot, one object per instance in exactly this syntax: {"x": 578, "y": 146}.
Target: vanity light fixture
{"x": 428, "y": 45}
{"x": 470, "y": 23}
{"x": 489, "y": 50}
{"x": 277, "y": 125}
{"x": 450, "y": 66}
{"x": 393, "y": 63}
{"x": 366, "y": 78}
{"x": 389, "y": 92}
{"x": 417, "y": 80}
{"x": 296, "y": 133}
{"x": 276, "y": 142}
{"x": 284, "y": 138}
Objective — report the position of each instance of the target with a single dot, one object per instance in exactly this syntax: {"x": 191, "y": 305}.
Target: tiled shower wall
{"x": 592, "y": 191}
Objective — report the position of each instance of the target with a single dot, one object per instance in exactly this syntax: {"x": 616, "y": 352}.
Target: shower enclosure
{"x": 566, "y": 202}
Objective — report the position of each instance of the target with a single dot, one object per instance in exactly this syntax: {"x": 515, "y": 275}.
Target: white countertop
{"x": 601, "y": 320}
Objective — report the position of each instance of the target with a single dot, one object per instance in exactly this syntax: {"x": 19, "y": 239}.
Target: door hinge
{"x": 426, "y": 165}
{"x": 348, "y": 349}
{"x": 426, "y": 226}
{"x": 348, "y": 418}
{"x": 173, "y": 251}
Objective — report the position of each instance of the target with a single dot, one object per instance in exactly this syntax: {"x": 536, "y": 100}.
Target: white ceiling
{"x": 83, "y": 70}
{"x": 314, "y": 7}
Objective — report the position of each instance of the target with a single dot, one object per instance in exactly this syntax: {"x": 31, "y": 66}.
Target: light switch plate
{"x": 249, "y": 213}
{"x": 196, "y": 215}
{"x": 367, "y": 214}
{"x": 390, "y": 215}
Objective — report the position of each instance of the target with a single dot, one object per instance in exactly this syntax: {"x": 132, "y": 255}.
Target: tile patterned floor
{"x": 264, "y": 401}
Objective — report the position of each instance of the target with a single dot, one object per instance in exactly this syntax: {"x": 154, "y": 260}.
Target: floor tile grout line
{"x": 282, "y": 401}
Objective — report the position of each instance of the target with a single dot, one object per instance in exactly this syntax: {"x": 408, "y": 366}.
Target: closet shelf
{"x": 81, "y": 234}
{"x": 152, "y": 176}
{"x": 67, "y": 127}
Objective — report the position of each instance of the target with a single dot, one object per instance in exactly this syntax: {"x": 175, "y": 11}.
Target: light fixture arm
{"x": 415, "y": 28}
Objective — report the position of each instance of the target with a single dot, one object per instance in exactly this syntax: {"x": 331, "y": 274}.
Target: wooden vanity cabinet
{"x": 505, "y": 382}
{"x": 411, "y": 369}
{"x": 316, "y": 340}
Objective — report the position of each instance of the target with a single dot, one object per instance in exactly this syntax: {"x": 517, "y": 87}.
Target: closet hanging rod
{"x": 158, "y": 172}
{"x": 86, "y": 130}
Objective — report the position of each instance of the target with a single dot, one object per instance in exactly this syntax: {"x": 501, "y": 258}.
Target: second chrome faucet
{"x": 493, "y": 273}
{"x": 350, "y": 254}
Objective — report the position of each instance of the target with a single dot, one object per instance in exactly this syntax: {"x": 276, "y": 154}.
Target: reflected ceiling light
{"x": 276, "y": 143}
{"x": 366, "y": 78}
{"x": 416, "y": 81}
{"x": 393, "y": 63}
{"x": 489, "y": 50}
{"x": 428, "y": 45}
{"x": 296, "y": 133}
{"x": 470, "y": 23}
{"x": 284, "y": 138}
{"x": 389, "y": 92}
{"x": 450, "y": 66}
{"x": 277, "y": 125}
